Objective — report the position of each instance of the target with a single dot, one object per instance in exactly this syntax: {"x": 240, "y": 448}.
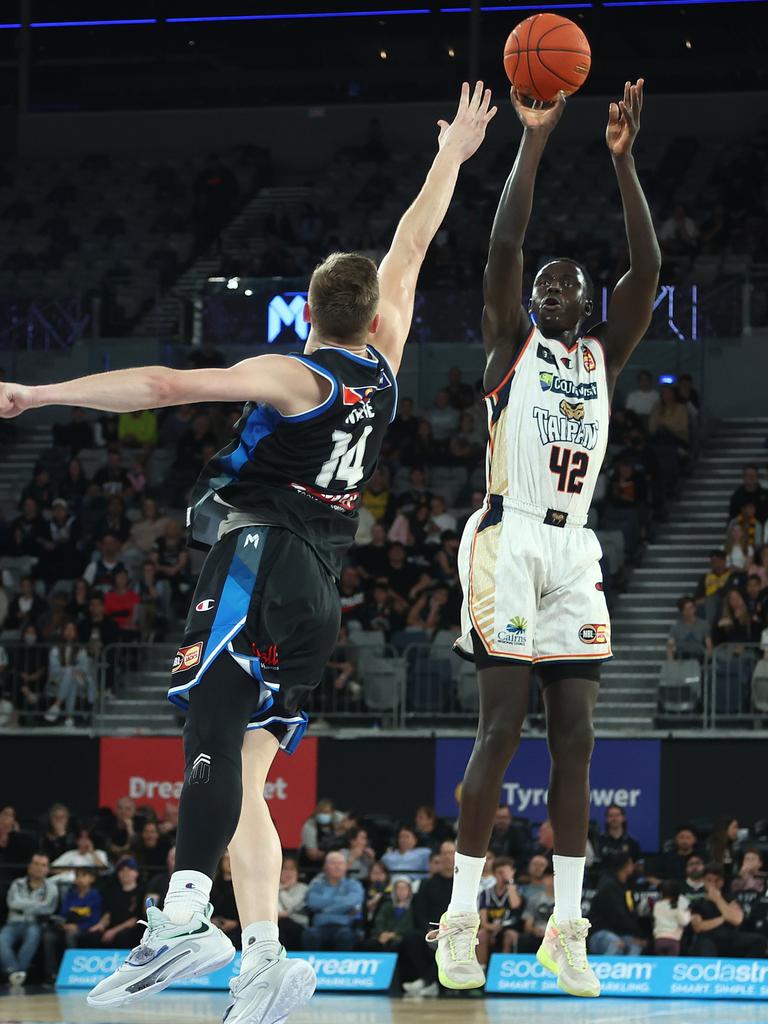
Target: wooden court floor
{"x": 194, "y": 1008}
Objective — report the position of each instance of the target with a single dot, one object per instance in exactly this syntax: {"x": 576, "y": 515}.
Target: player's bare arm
{"x": 505, "y": 321}
{"x": 282, "y": 382}
{"x": 631, "y": 305}
{"x": 399, "y": 269}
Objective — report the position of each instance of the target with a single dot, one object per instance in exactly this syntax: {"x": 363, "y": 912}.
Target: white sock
{"x": 188, "y": 893}
{"x": 466, "y": 883}
{"x": 258, "y": 938}
{"x": 569, "y": 880}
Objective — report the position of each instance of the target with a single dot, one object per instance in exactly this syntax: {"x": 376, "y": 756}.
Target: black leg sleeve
{"x": 220, "y": 707}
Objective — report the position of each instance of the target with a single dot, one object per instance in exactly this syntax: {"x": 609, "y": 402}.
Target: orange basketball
{"x": 545, "y": 54}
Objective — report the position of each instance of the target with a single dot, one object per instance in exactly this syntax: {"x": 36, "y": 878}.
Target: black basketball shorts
{"x": 265, "y": 601}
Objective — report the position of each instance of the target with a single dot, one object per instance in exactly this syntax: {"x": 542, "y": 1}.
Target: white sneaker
{"x": 271, "y": 990}
{"x": 430, "y": 991}
{"x": 564, "y": 952}
{"x": 167, "y": 953}
{"x": 414, "y": 988}
{"x": 456, "y": 954}
{"x": 17, "y": 978}
{"x": 52, "y": 713}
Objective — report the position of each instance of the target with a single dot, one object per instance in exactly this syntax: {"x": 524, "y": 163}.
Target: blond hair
{"x": 343, "y": 296}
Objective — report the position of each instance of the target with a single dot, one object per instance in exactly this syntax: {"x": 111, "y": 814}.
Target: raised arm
{"x": 505, "y": 322}
{"x": 399, "y": 270}
{"x": 284, "y": 383}
{"x": 631, "y": 305}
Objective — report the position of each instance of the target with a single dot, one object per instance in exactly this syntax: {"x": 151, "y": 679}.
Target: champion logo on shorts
{"x": 594, "y": 633}
{"x": 205, "y": 605}
{"x": 187, "y": 657}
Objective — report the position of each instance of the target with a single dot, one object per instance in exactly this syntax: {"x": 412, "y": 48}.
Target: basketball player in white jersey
{"x": 533, "y": 592}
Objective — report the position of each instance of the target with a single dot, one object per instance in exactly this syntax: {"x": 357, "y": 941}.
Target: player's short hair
{"x": 343, "y": 296}
{"x": 575, "y": 263}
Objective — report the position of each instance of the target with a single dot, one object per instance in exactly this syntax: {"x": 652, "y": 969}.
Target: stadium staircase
{"x": 672, "y": 565}
{"x": 243, "y": 234}
{"x": 17, "y": 462}
{"x": 138, "y": 703}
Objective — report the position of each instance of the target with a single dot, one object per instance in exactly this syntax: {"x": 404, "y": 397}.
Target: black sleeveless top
{"x": 305, "y": 472}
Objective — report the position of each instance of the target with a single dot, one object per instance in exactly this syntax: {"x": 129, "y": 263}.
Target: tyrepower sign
{"x": 151, "y": 771}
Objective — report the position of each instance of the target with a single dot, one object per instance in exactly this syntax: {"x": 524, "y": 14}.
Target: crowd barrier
{"x": 631, "y": 977}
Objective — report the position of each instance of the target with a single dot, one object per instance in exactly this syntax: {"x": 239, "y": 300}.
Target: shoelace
{"x": 450, "y": 932}
{"x": 574, "y": 946}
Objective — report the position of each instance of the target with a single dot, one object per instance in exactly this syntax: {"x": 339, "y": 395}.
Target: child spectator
{"x": 671, "y": 915}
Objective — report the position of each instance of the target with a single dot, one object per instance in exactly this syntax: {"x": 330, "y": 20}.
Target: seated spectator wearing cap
{"x": 716, "y": 922}
{"x": 31, "y": 900}
{"x": 407, "y": 857}
{"x": 615, "y": 922}
{"x": 335, "y": 903}
{"x": 292, "y": 918}
{"x": 615, "y": 841}
{"x": 501, "y": 912}
{"x": 689, "y": 636}
{"x": 394, "y": 919}
{"x": 122, "y": 907}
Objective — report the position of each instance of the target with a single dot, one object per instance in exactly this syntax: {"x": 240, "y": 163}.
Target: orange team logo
{"x": 187, "y": 657}
{"x": 351, "y": 396}
{"x": 589, "y": 360}
{"x": 591, "y": 633}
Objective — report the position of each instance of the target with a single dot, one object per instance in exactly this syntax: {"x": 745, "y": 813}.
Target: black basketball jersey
{"x": 305, "y": 472}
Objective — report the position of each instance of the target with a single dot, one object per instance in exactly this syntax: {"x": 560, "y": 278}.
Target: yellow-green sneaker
{"x": 564, "y": 952}
{"x": 456, "y": 956}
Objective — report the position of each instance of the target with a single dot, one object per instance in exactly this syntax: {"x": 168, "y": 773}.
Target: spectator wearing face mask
{"x": 318, "y": 833}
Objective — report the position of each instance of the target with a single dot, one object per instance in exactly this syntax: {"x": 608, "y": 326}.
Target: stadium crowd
{"x": 94, "y": 555}
{"x": 376, "y": 884}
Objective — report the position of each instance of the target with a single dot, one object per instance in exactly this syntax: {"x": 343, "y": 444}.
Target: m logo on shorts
{"x": 594, "y": 634}
{"x": 187, "y": 657}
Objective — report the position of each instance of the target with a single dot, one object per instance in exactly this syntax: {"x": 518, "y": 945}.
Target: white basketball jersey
{"x": 548, "y": 425}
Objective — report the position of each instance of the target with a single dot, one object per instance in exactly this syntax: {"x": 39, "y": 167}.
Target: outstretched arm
{"x": 505, "y": 322}
{"x": 399, "y": 270}
{"x": 631, "y": 305}
{"x": 282, "y": 382}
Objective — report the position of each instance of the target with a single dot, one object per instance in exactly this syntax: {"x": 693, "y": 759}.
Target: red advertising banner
{"x": 151, "y": 771}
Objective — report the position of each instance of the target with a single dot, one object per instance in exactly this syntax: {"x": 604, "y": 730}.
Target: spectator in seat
{"x": 52, "y": 622}
{"x": 751, "y": 877}
{"x": 669, "y": 422}
{"x": 394, "y": 920}
{"x": 351, "y": 594}
{"x": 689, "y": 636}
{"x": 739, "y": 553}
{"x": 336, "y": 903}
{"x": 153, "y": 610}
{"x": 76, "y": 434}
{"x": 223, "y": 900}
{"x": 40, "y": 488}
{"x": 722, "y": 844}
{"x": 62, "y": 559}
{"x": 644, "y": 398}
{"x": 615, "y": 841}
{"x": 71, "y": 671}
{"x": 137, "y": 429}
{"x": 80, "y": 911}
{"x": 539, "y": 906}
{"x": 25, "y": 607}
{"x": 317, "y": 832}
{"x": 507, "y": 839}
{"x": 440, "y": 519}
{"x": 501, "y": 911}
{"x": 385, "y": 610}
{"x": 679, "y": 233}
{"x": 157, "y": 886}
{"x": 29, "y": 667}
{"x": 672, "y": 863}
{"x": 417, "y": 958}
{"x": 27, "y": 530}
{"x": 460, "y": 394}
{"x": 148, "y": 530}
{"x": 84, "y": 855}
{"x": 124, "y": 828}
{"x": 359, "y": 854}
{"x": 442, "y": 417}
{"x": 534, "y": 876}
{"x": 31, "y": 900}
{"x": 615, "y": 922}
{"x": 171, "y": 557}
{"x": 112, "y": 478}
{"x": 686, "y": 392}
{"x": 149, "y": 848}
{"x": 735, "y": 625}
{"x": 377, "y": 497}
{"x": 407, "y": 858}
{"x": 371, "y": 558}
{"x": 77, "y": 609}
{"x": 74, "y": 486}
{"x": 98, "y": 631}
{"x": 379, "y": 889}
{"x": 114, "y": 520}
{"x": 716, "y": 923}
{"x": 291, "y": 903}
{"x": 122, "y": 908}
{"x": 435, "y": 609}
{"x": 100, "y": 573}
{"x": 430, "y": 830}
{"x": 59, "y": 835}
{"x": 714, "y": 582}
{"x": 405, "y": 424}
{"x": 671, "y": 916}
{"x": 423, "y": 450}
{"x": 754, "y": 533}
{"x": 693, "y": 885}
{"x": 121, "y": 604}
{"x": 416, "y": 493}
{"x": 445, "y": 564}
{"x": 750, "y": 490}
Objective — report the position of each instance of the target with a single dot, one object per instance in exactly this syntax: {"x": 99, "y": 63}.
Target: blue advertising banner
{"x": 662, "y": 976}
{"x": 624, "y": 772}
{"x": 360, "y": 972}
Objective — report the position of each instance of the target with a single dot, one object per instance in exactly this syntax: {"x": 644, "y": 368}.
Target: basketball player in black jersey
{"x": 278, "y": 508}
